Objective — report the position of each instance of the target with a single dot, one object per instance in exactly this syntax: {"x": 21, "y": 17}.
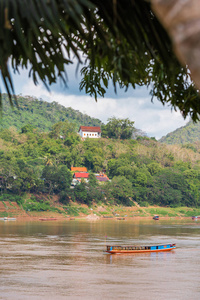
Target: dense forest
{"x": 143, "y": 170}
{"x": 40, "y": 114}
{"x": 190, "y": 133}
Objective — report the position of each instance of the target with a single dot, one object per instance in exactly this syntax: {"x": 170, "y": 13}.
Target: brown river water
{"x": 65, "y": 260}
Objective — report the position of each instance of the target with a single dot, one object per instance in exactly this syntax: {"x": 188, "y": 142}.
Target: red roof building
{"x": 81, "y": 175}
{"x": 89, "y": 132}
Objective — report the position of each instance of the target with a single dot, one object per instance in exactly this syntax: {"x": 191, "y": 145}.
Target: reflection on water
{"x": 44, "y": 260}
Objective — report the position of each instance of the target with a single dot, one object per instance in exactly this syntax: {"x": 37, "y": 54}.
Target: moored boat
{"x": 139, "y": 249}
{"x": 195, "y": 217}
{"x": 9, "y": 219}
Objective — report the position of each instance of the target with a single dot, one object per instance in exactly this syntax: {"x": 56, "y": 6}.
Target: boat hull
{"x": 138, "y": 249}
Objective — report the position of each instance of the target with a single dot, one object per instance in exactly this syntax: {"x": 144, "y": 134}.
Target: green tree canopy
{"x": 56, "y": 179}
{"x": 62, "y": 129}
{"x": 118, "y": 128}
{"x": 119, "y": 189}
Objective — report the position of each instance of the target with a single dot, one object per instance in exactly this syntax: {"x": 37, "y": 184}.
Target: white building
{"x": 89, "y": 132}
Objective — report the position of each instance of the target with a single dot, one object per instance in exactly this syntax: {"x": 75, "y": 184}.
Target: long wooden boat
{"x": 139, "y": 249}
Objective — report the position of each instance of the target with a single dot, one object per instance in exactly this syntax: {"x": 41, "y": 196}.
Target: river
{"x": 65, "y": 260}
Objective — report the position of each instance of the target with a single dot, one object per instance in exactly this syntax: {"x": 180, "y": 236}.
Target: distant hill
{"x": 189, "y": 133}
{"x": 41, "y": 114}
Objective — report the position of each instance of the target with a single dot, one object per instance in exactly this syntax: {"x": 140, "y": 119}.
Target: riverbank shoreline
{"x": 76, "y": 211}
{"x": 90, "y": 217}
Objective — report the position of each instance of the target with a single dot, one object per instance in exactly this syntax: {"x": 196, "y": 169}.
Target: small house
{"x": 80, "y": 176}
{"x": 89, "y": 132}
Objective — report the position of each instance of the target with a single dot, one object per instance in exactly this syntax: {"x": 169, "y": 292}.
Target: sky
{"x": 154, "y": 119}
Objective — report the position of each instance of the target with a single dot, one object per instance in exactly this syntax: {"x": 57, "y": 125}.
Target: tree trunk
{"x": 181, "y": 19}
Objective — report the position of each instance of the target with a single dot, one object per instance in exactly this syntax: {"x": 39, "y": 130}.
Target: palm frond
{"x": 121, "y": 40}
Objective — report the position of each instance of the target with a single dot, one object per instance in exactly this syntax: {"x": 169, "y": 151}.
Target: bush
{"x": 72, "y": 211}
{"x": 64, "y": 197}
{"x": 12, "y": 198}
{"x": 84, "y": 210}
{"x": 82, "y": 194}
{"x": 194, "y": 212}
{"x": 36, "y": 205}
{"x": 144, "y": 203}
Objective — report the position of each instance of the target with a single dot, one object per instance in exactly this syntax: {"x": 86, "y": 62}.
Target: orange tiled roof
{"x": 79, "y": 169}
{"x": 90, "y": 128}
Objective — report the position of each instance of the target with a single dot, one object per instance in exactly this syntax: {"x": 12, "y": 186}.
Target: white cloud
{"x": 152, "y": 118}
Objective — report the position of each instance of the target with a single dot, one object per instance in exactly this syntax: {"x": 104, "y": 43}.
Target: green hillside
{"x": 41, "y": 114}
{"x": 145, "y": 171}
{"x": 190, "y": 133}
{"x": 36, "y": 162}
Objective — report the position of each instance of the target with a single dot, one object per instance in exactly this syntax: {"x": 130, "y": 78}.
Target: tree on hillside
{"x": 121, "y": 41}
{"x": 118, "y": 128}
{"x": 56, "y": 179}
{"x": 120, "y": 189}
{"x": 66, "y": 131}
{"x": 82, "y": 194}
{"x": 62, "y": 129}
{"x": 27, "y": 128}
